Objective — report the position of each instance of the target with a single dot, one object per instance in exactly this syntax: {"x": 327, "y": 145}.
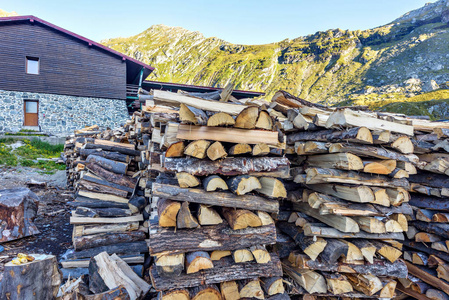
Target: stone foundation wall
{"x": 61, "y": 114}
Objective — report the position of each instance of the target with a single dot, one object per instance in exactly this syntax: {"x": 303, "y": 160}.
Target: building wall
{"x": 68, "y": 66}
{"x": 61, "y": 114}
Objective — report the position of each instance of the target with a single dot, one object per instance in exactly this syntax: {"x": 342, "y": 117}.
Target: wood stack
{"x": 215, "y": 177}
{"x": 108, "y": 206}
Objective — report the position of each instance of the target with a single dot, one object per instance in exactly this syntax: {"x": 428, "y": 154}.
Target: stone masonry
{"x": 61, "y": 114}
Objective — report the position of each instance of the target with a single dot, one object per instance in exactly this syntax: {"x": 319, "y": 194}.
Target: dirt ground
{"x": 53, "y": 215}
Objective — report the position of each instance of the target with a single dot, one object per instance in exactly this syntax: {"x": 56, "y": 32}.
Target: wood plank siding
{"x": 67, "y": 66}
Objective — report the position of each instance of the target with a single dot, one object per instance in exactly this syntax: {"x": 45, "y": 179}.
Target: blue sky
{"x": 242, "y": 22}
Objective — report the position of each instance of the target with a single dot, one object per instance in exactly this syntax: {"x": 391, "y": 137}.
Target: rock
{"x": 18, "y": 208}
{"x": 430, "y": 86}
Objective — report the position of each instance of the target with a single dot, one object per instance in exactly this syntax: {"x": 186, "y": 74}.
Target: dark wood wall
{"x": 67, "y": 66}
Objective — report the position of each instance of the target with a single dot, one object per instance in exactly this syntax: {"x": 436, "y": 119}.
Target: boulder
{"x": 18, "y": 208}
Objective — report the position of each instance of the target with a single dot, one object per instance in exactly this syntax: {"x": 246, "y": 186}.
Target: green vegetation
{"x": 27, "y": 155}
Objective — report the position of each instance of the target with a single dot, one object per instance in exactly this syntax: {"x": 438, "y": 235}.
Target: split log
{"x": 216, "y": 151}
{"x": 103, "y": 239}
{"x": 273, "y": 285}
{"x": 214, "y": 182}
{"x": 277, "y": 166}
{"x": 169, "y": 264}
{"x": 122, "y": 248}
{"x": 219, "y": 254}
{"x": 425, "y": 237}
{"x": 175, "y": 150}
{"x": 360, "y": 194}
{"x": 428, "y": 278}
{"x": 185, "y": 180}
{"x": 337, "y": 283}
{"x": 81, "y": 230}
{"x": 99, "y": 188}
{"x": 382, "y": 167}
{"x": 355, "y": 135}
{"x": 18, "y": 208}
{"x": 197, "y": 261}
{"x": 110, "y": 165}
{"x": 440, "y": 246}
{"x": 106, "y": 154}
{"x": 435, "y": 294}
{"x": 240, "y": 149}
{"x": 389, "y": 287}
{"x": 334, "y": 250}
{"x": 111, "y": 176}
{"x": 343, "y": 161}
{"x": 371, "y": 225}
{"x": 264, "y": 121}
{"x": 208, "y": 216}
{"x": 251, "y": 289}
{"x": 243, "y": 184}
{"x": 197, "y": 149}
{"x": 354, "y": 254}
{"x": 402, "y": 144}
{"x": 38, "y": 279}
{"x": 185, "y": 218}
{"x": 381, "y": 136}
{"x": 86, "y": 220}
{"x": 390, "y": 253}
{"x": 220, "y": 119}
{"x": 93, "y": 203}
{"x": 229, "y": 290}
{"x": 167, "y": 212}
{"x": 367, "y": 248}
{"x": 192, "y": 115}
{"x": 423, "y": 248}
{"x": 272, "y": 187}
{"x": 218, "y": 199}
{"x": 205, "y": 292}
{"x": 311, "y": 281}
{"x": 101, "y": 196}
{"x": 247, "y": 118}
{"x": 435, "y": 228}
{"x": 260, "y": 254}
{"x": 312, "y": 147}
{"x": 241, "y": 219}
{"x": 224, "y": 270}
{"x": 365, "y": 283}
{"x": 260, "y": 149}
{"x": 242, "y": 255}
{"x": 320, "y": 230}
{"x": 265, "y": 218}
{"x": 128, "y": 149}
{"x": 426, "y": 202}
{"x": 177, "y": 294}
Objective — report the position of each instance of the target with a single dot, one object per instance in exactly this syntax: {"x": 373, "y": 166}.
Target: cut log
{"x": 435, "y": 294}
{"x": 167, "y": 212}
{"x": 365, "y": 283}
{"x": 110, "y": 165}
{"x": 354, "y": 254}
{"x": 220, "y": 119}
{"x": 219, "y": 254}
{"x": 337, "y": 284}
{"x": 260, "y": 149}
{"x": 312, "y": 147}
{"x": 185, "y": 218}
{"x": 334, "y": 250}
{"x": 435, "y": 228}
{"x": 185, "y": 180}
{"x": 240, "y": 149}
{"x": 197, "y": 261}
{"x": 213, "y": 183}
{"x": 192, "y": 115}
{"x": 197, "y": 149}
{"x": 229, "y": 290}
{"x": 230, "y": 135}
{"x": 320, "y": 230}
{"x": 208, "y": 216}
{"x": 426, "y": 202}
{"x": 381, "y": 136}
{"x": 440, "y": 246}
{"x": 360, "y": 194}
{"x": 99, "y": 188}
{"x": 37, "y": 279}
{"x": 18, "y": 208}
{"x": 370, "y": 224}
{"x": 205, "y": 292}
{"x": 428, "y": 278}
{"x": 128, "y": 149}
{"x": 390, "y": 253}
{"x": 311, "y": 281}
{"x": 101, "y": 196}
{"x": 355, "y": 135}
{"x": 136, "y": 204}
{"x": 251, "y": 289}
{"x": 218, "y": 199}
{"x": 272, "y": 187}
{"x": 216, "y": 151}
{"x": 343, "y": 161}
{"x": 368, "y": 250}
{"x": 401, "y": 219}
{"x": 277, "y": 166}
{"x": 383, "y": 167}
{"x": 260, "y": 254}
{"x": 86, "y": 220}
{"x": 104, "y": 239}
{"x": 389, "y": 287}
{"x": 243, "y": 184}
{"x": 111, "y": 176}
{"x": 265, "y": 218}
{"x": 242, "y": 255}
{"x": 273, "y": 285}
{"x": 106, "y": 154}
{"x": 120, "y": 249}
{"x": 264, "y": 121}
{"x": 403, "y": 144}
{"x": 175, "y": 150}
{"x": 241, "y": 218}
{"x": 169, "y": 264}
{"x": 247, "y": 118}
{"x": 178, "y": 294}
{"x": 81, "y": 230}
{"x": 425, "y": 237}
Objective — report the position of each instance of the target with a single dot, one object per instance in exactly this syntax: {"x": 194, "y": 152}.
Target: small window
{"x": 32, "y": 65}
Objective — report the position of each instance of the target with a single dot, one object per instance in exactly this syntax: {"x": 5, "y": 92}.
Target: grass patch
{"x": 35, "y": 148}
{"x": 6, "y": 157}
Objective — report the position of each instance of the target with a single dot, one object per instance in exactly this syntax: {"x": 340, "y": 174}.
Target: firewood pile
{"x": 103, "y": 168}
{"x": 246, "y": 198}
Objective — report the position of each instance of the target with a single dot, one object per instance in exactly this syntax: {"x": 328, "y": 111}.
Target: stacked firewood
{"x": 214, "y": 182}
{"x": 108, "y": 207}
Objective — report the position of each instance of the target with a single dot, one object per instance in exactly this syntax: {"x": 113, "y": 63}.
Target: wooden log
{"x": 260, "y": 149}
{"x": 121, "y": 248}
{"x": 185, "y": 218}
{"x": 343, "y": 161}
{"x": 169, "y": 264}
{"x": 209, "y": 238}
{"x": 167, "y": 212}
{"x": 136, "y": 204}
{"x": 428, "y": 278}
{"x": 355, "y": 135}
{"x": 197, "y": 149}
{"x": 440, "y": 246}
{"x": 311, "y": 281}
{"x": 127, "y": 149}
{"x": 425, "y": 237}
{"x": 208, "y": 216}
{"x": 389, "y": 287}
{"x": 219, "y": 199}
{"x": 242, "y": 255}
{"x": 220, "y": 119}
{"x": 240, "y": 149}
{"x": 367, "y": 249}
{"x": 214, "y": 182}
{"x": 175, "y": 150}
{"x": 247, "y": 118}
{"x": 243, "y": 184}
{"x": 230, "y": 135}
{"x": 334, "y": 250}
{"x": 370, "y": 224}
{"x": 111, "y": 176}
{"x": 349, "y": 118}
{"x": 277, "y": 166}
{"x": 229, "y": 290}
{"x": 104, "y": 239}
{"x": 365, "y": 283}
{"x": 360, "y": 194}
{"x": 273, "y": 285}
{"x": 99, "y": 188}
{"x": 426, "y": 202}
{"x": 435, "y": 294}
{"x": 260, "y": 254}
{"x": 205, "y": 292}
{"x": 185, "y": 180}
{"x": 382, "y": 167}
{"x": 241, "y": 219}
{"x": 87, "y": 220}
{"x": 116, "y": 156}
{"x": 435, "y": 228}
{"x": 381, "y": 136}
{"x": 101, "y": 196}
{"x": 313, "y": 147}
{"x": 110, "y": 165}
{"x": 403, "y": 144}
{"x": 80, "y": 230}
{"x": 390, "y": 253}
{"x": 370, "y": 151}
{"x": 177, "y": 294}
{"x": 216, "y": 151}
{"x": 18, "y": 208}
{"x": 37, "y": 279}
{"x": 219, "y": 254}
{"x": 272, "y": 187}
{"x": 192, "y": 115}
{"x": 251, "y": 289}
{"x": 264, "y": 121}
{"x": 412, "y": 293}
{"x": 197, "y": 261}
{"x": 337, "y": 283}
{"x": 224, "y": 270}
{"x": 320, "y": 230}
